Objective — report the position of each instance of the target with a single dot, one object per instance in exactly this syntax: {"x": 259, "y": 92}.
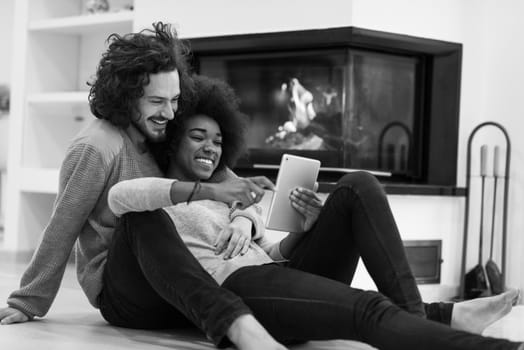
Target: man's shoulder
{"x": 102, "y": 136}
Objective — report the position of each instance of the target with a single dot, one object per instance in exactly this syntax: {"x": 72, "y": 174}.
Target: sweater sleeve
{"x": 271, "y": 248}
{"x": 143, "y": 194}
{"x": 254, "y": 214}
{"x": 81, "y": 182}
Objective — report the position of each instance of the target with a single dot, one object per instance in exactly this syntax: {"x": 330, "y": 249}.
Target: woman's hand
{"x": 235, "y": 238}
{"x": 10, "y": 315}
{"x": 307, "y": 203}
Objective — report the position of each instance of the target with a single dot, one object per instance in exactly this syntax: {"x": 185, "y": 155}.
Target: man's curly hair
{"x": 125, "y": 67}
{"x": 216, "y": 99}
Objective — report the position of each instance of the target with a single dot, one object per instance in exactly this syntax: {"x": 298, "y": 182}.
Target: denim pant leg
{"x": 356, "y": 220}
{"x": 151, "y": 280}
{"x": 298, "y": 306}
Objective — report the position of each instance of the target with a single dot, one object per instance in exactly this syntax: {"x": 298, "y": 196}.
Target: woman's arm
{"x": 279, "y": 251}
{"x": 307, "y": 203}
{"x": 246, "y": 225}
{"x": 254, "y": 215}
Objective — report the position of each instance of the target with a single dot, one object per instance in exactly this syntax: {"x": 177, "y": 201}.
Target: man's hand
{"x": 235, "y": 239}
{"x": 241, "y": 192}
{"x": 10, "y": 315}
{"x": 307, "y": 203}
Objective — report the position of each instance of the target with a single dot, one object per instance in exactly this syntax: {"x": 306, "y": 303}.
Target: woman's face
{"x": 199, "y": 151}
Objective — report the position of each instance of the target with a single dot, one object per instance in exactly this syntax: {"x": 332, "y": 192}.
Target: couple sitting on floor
{"x": 187, "y": 257}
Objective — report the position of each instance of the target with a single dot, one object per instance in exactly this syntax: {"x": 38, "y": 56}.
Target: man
{"x": 140, "y": 82}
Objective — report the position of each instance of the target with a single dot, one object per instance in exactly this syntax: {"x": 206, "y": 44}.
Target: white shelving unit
{"x": 55, "y": 54}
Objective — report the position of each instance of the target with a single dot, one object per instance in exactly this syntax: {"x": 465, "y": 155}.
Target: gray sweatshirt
{"x": 99, "y": 157}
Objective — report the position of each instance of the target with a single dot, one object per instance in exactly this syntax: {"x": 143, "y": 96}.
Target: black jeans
{"x": 151, "y": 280}
{"x": 311, "y": 299}
{"x": 356, "y": 221}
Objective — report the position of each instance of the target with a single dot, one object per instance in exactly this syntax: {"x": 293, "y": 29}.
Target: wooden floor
{"x": 73, "y": 324}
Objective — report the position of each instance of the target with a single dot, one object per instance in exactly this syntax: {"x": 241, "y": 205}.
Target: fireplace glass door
{"x": 347, "y": 108}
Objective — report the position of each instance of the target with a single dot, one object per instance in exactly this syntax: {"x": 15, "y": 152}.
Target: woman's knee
{"x": 359, "y": 180}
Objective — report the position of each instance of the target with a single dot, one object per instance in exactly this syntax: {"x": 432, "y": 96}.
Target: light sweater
{"x": 198, "y": 224}
{"x": 100, "y": 156}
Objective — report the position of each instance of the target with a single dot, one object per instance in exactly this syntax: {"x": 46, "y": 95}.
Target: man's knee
{"x": 134, "y": 227}
{"x": 147, "y": 221}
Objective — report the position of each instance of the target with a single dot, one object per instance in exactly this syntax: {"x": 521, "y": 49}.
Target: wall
{"x": 503, "y": 78}
{"x": 198, "y": 18}
{"x": 485, "y": 28}
{"x": 6, "y": 40}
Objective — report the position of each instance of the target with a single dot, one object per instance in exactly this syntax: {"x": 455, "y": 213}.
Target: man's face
{"x": 158, "y": 105}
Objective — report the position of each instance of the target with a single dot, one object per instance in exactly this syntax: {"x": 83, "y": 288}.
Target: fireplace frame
{"x": 439, "y": 89}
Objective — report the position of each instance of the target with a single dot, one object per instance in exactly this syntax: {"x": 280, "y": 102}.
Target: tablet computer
{"x": 294, "y": 172}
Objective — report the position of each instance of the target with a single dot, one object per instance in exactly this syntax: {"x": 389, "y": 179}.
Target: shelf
{"x": 73, "y": 97}
{"x": 39, "y": 180}
{"x": 108, "y": 22}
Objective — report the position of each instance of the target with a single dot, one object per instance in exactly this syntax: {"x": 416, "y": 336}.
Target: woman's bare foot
{"x": 477, "y": 314}
{"x": 248, "y": 334}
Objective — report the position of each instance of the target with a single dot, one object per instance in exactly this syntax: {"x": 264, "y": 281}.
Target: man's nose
{"x": 168, "y": 112}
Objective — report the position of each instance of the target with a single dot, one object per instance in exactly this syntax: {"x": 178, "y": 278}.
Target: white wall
{"x": 6, "y": 39}
{"x": 503, "y": 101}
{"x": 197, "y": 18}
{"x": 489, "y": 31}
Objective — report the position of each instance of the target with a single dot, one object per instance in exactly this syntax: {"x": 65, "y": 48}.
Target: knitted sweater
{"x": 99, "y": 156}
{"x": 198, "y": 224}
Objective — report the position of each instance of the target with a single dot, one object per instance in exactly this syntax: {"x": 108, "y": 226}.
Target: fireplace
{"x": 349, "y": 97}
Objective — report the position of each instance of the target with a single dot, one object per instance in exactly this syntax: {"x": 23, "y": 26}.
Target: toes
{"x": 516, "y": 298}
{"x": 512, "y": 296}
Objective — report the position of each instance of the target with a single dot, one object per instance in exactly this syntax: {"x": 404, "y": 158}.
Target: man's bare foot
{"x": 477, "y": 314}
{"x": 247, "y": 333}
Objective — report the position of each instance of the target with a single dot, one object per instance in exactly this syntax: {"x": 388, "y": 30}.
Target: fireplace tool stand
{"x": 495, "y": 277}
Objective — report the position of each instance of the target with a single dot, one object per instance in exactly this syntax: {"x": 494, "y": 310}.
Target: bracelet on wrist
{"x": 196, "y": 189}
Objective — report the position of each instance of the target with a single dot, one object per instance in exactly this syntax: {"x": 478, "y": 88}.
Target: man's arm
{"x": 83, "y": 168}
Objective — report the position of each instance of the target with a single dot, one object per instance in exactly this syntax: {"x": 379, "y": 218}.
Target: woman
{"x": 308, "y": 297}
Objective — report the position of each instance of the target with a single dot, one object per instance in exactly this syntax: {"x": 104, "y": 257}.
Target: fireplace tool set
{"x": 483, "y": 280}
